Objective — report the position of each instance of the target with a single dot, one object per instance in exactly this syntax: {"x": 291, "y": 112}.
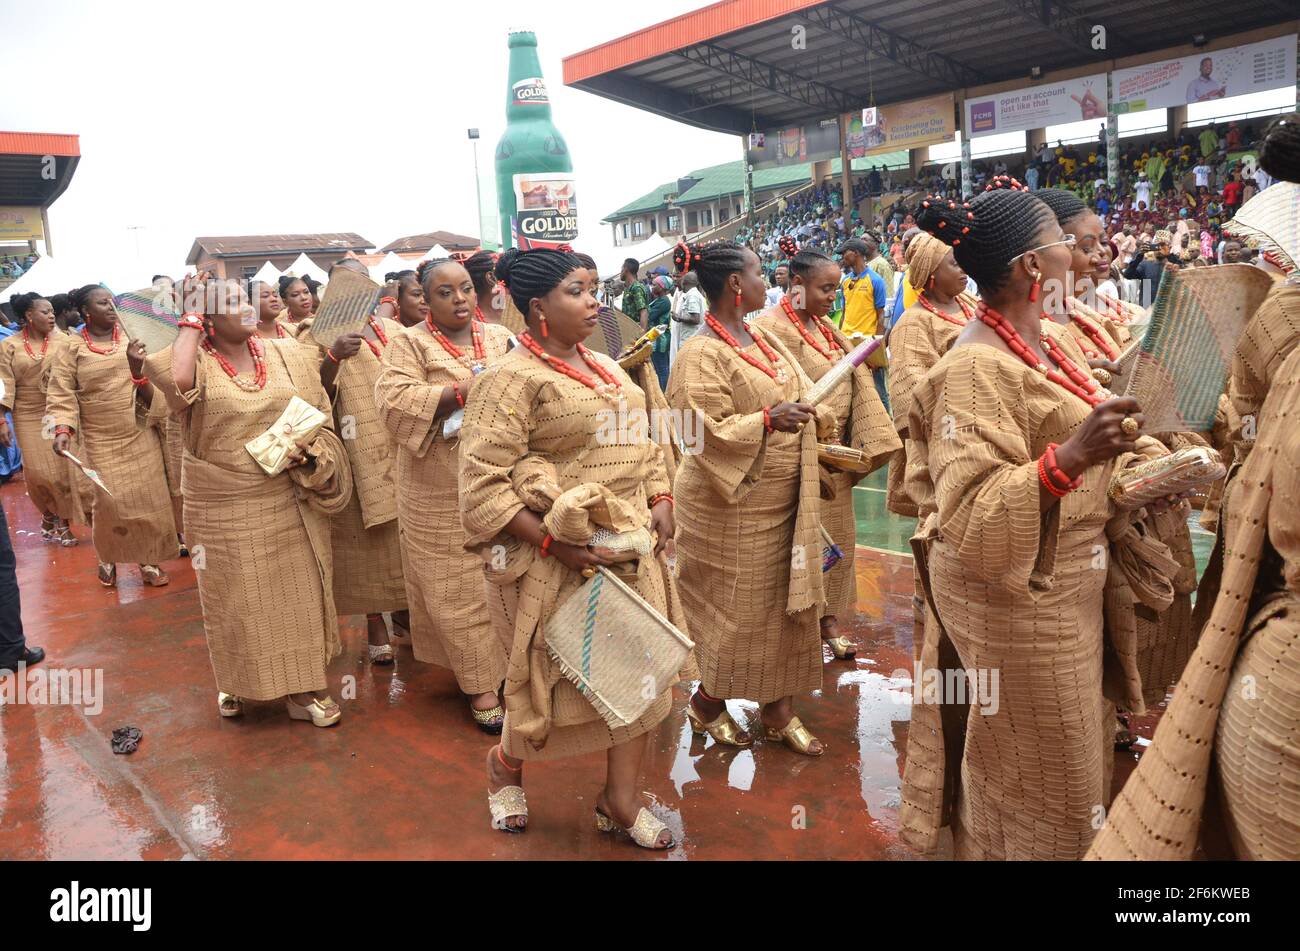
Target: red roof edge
{"x": 713, "y": 21}
{"x": 40, "y": 143}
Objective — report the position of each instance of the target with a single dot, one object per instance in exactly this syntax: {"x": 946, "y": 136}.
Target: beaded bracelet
{"x": 767, "y": 419}
{"x": 1047, "y": 482}
{"x": 60, "y": 430}
{"x": 455, "y": 391}
{"x": 330, "y": 353}
{"x": 190, "y": 321}
{"x": 143, "y": 381}
{"x": 389, "y": 300}
{"x": 1059, "y": 475}
{"x": 663, "y": 497}
{"x": 546, "y": 545}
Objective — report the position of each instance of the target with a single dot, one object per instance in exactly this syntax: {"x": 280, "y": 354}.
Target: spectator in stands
{"x": 879, "y": 263}
{"x": 1149, "y": 266}
{"x": 636, "y": 300}
{"x": 1232, "y": 253}
{"x": 1209, "y": 141}
{"x": 780, "y": 284}
{"x": 688, "y": 317}
{"x": 1232, "y": 192}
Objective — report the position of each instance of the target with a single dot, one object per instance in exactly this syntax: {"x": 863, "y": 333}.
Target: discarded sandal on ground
{"x": 796, "y": 736}
{"x": 841, "y": 647}
{"x": 644, "y": 832}
{"x": 381, "y": 655}
{"x": 491, "y": 720}
{"x": 107, "y": 575}
{"x": 154, "y": 576}
{"x": 228, "y": 705}
{"x": 320, "y": 712}
{"x": 724, "y": 729}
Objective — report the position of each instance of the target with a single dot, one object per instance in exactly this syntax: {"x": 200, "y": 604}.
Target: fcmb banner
{"x": 1051, "y": 103}
{"x": 1204, "y": 77}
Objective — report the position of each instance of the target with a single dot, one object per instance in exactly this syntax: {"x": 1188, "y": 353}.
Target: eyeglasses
{"x": 1069, "y": 241}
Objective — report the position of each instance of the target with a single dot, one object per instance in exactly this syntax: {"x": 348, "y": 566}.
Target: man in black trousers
{"x": 13, "y": 647}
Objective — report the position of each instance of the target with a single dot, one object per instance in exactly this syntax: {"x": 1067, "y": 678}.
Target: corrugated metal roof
{"x": 423, "y": 242}
{"x": 339, "y": 241}
{"x": 735, "y": 65}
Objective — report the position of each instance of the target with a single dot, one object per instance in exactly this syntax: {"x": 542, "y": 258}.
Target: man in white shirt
{"x": 1142, "y": 189}
{"x": 1202, "y": 173}
{"x": 780, "y": 284}
{"x": 688, "y": 313}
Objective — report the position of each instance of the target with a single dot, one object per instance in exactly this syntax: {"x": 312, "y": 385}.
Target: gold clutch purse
{"x": 842, "y": 458}
{"x": 1181, "y": 471}
{"x": 638, "y": 352}
{"x": 300, "y": 422}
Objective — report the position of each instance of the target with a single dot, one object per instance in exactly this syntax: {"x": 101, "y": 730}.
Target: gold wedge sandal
{"x": 644, "y": 832}
{"x": 724, "y": 729}
{"x": 320, "y": 712}
{"x": 841, "y": 647}
{"x": 796, "y": 736}
{"x": 228, "y": 705}
{"x": 381, "y": 655}
{"x": 491, "y": 720}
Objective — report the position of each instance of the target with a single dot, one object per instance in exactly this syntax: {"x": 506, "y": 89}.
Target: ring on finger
{"x": 1129, "y": 426}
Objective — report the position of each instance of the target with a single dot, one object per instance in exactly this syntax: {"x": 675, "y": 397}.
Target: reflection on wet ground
{"x": 402, "y": 776}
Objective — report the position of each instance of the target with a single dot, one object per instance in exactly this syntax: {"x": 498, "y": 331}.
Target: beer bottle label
{"x": 530, "y": 92}
{"x": 547, "y": 212}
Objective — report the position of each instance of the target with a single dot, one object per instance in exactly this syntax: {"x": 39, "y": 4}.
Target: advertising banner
{"x": 795, "y": 145}
{"x": 19, "y": 223}
{"x": 903, "y": 125}
{"x": 546, "y": 210}
{"x": 1203, "y": 77}
{"x": 1051, "y": 103}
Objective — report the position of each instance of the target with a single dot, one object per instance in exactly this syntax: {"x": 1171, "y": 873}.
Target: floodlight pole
{"x": 478, "y": 188}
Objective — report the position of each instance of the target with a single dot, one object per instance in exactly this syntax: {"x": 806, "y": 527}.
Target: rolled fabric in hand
{"x": 841, "y": 371}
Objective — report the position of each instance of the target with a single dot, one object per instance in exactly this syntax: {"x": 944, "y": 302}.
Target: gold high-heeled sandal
{"x": 796, "y": 736}
{"x": 228, "y": 705}
{"x": 320, "y": 712}
{"x": 644, "y": 832}
{"x": 381, "y": 655}
{"x": 724, "y": 729}
{"x": 490, "y": 721}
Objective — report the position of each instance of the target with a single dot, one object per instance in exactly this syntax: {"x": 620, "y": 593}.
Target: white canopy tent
{"x": 268, "y": 273}
{"x": 46, "y": 276}
{"x": 304, "y": 266}
{"x": 392, "y": 262}
{"x": 609, "y": 258}
{"x": 436, "y": 253}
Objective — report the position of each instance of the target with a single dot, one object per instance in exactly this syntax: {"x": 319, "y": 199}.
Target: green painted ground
{"x": 881, "y": 529}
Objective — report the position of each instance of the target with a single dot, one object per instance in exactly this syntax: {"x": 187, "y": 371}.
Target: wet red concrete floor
{"x": 402, "y": 777}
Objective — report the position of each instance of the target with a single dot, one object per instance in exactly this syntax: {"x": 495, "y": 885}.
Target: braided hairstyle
{"x": 1280, "y": 153}
{"x": 532, "y": 274}
{"x": 480, "y": 266}
{"x": 1066, "y": 205}
{"x": 802, "y": 261}
{"x": 22, "y": 303}
{"x": 61, "y": 304}
{"x": 986, "y": 232}
{"x": 286, "y": 282}
{"x": 713, "y": 263}
{"x": 80, "y": 297}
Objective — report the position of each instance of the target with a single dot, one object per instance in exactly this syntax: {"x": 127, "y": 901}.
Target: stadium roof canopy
{"x": 36, "y": 167}
{"x": 734, "y": 66}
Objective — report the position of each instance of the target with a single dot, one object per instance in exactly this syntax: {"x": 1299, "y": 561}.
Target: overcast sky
{"x": 272, "y": 116}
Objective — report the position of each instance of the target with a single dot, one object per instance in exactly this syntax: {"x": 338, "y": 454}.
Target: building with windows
{"x": 241, "y": 256}
{"x": 708, "y": 197}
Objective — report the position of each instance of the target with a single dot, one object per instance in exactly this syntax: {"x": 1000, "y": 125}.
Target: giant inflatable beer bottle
{"x": 534, "y": 172}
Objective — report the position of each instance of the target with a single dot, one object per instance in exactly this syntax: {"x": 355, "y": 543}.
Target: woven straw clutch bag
{"x": 615, "y": 648}
{"x": 1181, "y": 471}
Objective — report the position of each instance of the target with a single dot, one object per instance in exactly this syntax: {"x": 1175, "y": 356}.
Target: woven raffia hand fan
{"x": 349, "y": 300}
{"x": 1272, "y": 216}
{"x": 1184, "y": 359}
{"x": 149, "y": 316}
{"x": 615, "y": 648}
